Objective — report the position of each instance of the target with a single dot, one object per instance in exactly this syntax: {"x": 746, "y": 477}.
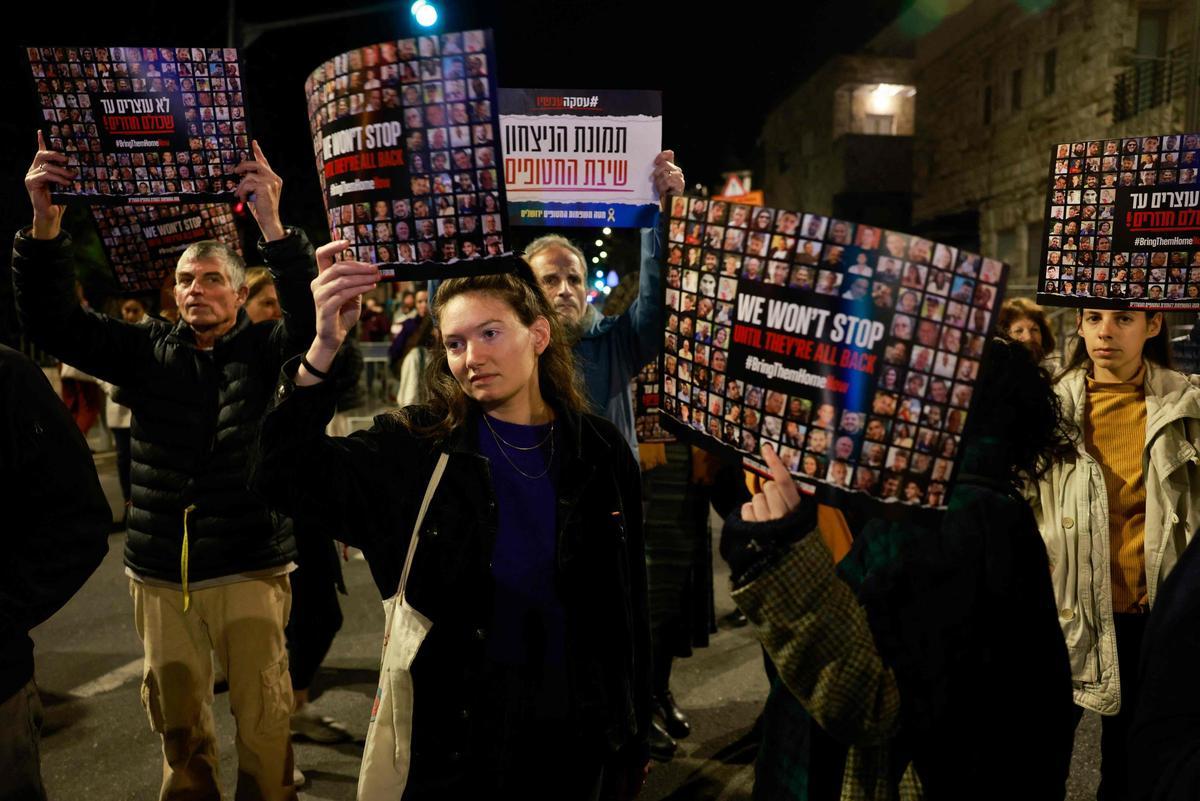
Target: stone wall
{"x": 1000, "y": 167}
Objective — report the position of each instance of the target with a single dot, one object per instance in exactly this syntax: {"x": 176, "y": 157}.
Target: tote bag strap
{"x": 438, "y": 469}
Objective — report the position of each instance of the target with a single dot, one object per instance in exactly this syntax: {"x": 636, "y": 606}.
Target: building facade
{"x": 1000, "y": 86}
{"x": 841, "y": 143}
{"x": 987, "y": 91}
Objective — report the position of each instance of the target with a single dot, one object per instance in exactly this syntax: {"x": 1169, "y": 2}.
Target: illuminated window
{"x": 876, "y": 109}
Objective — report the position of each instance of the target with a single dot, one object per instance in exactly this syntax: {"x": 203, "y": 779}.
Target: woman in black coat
{"x": 533, "y": 680}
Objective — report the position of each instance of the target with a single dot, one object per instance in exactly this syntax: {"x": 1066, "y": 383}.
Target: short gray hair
{"x": 555, "y": 241}
{"x": 212, "y": 250}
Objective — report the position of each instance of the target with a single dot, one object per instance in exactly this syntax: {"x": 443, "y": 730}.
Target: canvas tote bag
{"x": 388, "y": 750}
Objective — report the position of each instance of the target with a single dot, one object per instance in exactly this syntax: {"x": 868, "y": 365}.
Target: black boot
{"x": 662, "y": 745}
{"x": 674, "y": 720}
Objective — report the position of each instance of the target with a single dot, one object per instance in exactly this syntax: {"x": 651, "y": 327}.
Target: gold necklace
{"x": 501, "y": 442}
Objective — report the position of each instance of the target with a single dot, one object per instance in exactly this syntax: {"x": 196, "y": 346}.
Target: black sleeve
{"x": 293, "y": 266}
{"x": 350, "y": 483}
{"x": 1164, "y": 743}
{"x": 630, "y": 481}
{"x": 50, "y": 314}
{"x": 57, "y": 515}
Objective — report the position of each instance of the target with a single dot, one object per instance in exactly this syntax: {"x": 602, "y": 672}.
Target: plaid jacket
{"x": 816, "y": 633}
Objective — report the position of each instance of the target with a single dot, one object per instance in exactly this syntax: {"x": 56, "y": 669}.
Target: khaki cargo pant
{"x": 243, "y": 623}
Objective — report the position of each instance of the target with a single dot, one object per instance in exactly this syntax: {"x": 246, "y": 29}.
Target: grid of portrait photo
{"x": 206, "y": 81}
{"x": 937, "y": 303}
{"x": 143, "y": 243}
{"x": 647, "y": 391}
{"x": 443, "y": 90}
{"x": 1083, "y": 256}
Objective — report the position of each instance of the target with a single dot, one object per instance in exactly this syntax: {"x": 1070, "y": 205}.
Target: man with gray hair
{"x": 207, "y": 561}
{"x": 609, "y": 351}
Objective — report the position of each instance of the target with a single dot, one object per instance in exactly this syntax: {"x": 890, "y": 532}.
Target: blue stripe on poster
{"x": 589, "y": 215}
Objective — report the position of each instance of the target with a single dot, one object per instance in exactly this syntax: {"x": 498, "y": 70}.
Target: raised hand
{"x": 778, "y": 496}
{"x": 668, "y": 178}
{"x": 260, "y": 187}
{"x": 337, "y": 292}
{"x": 49, "y": 169}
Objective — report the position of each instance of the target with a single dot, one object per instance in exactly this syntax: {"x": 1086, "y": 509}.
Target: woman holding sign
{"x": 920, "y": 621}
{"x": 1127, "y": 503}
{"x": 533, "y": 680}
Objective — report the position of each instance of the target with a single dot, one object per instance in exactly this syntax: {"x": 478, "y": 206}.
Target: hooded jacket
{"x": 1071, "y": 507}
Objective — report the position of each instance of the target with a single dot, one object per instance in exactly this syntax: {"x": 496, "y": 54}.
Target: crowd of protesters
{"x": 931, "y": 657}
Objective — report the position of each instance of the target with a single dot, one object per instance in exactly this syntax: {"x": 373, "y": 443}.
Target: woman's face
{"x": 1028, "y": 333}
{"x": 491, "y": 353}
{"x": 264, "y": 305}
{"x": 1115, "y": 340}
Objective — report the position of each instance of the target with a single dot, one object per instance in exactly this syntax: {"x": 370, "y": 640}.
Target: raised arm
{"x": 44, "y": 286}
{"x": 286, "y": 251}
{"x": 298, "y": 469}
{"x": 808, "y": 620}
{"x": 642, "y": 324}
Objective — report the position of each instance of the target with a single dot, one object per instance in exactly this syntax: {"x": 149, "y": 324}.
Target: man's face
{"x": 560, "y": 275}
{"x": 207, "y": 300}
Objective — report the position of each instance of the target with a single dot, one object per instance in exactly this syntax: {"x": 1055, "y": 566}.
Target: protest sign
{"x": 143, "y": 243}
{"x": 647, "y": 390}
{"x": 404, "y": 134}
{"x": 143, "y": 124}
{"x": 580, "y": 158}
{"x": 851, "y": 349}
{"x": 1123, "y": 224}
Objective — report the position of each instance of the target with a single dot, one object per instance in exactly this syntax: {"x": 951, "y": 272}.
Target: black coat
{"x": 1164, "y": 742}
{"x": 372, "y": 483}
{"x": 56, "y": 516}
{"x": 195, "y": 413}
{"x": 964, "y": 615}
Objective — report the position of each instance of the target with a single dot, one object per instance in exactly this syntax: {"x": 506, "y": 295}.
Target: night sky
{"x": 720, "y": 74}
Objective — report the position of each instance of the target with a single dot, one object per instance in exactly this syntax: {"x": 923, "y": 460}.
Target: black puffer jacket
{"x": 195, "y": 413}
{"x": 371, "y": 484}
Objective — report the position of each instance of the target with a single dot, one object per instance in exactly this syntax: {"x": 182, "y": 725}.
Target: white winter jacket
{"x": 1071, "y": 506}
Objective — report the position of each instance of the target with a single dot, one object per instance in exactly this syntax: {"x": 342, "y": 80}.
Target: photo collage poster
{"x": 405, "y": 135}
{"x": 1123, "y": 224}
{"x": 851, "y": 349}
{"x": 143, "y": 243}
{"x": 143, "y": 124}
{"x": 647, "y": 397}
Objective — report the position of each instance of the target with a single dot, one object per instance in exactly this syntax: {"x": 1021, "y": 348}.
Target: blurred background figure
{"x": 1024, "y": 321}
{"x": 132, "y": 310}
{"x": 412, "y": 363}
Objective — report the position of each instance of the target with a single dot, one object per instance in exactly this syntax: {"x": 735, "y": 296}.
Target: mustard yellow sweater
{"x": 1115, "y": 436}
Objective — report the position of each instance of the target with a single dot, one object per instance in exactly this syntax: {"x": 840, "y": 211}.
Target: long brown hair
{"x": 1156, "y": 349}
{"x": 557, "y": 379}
